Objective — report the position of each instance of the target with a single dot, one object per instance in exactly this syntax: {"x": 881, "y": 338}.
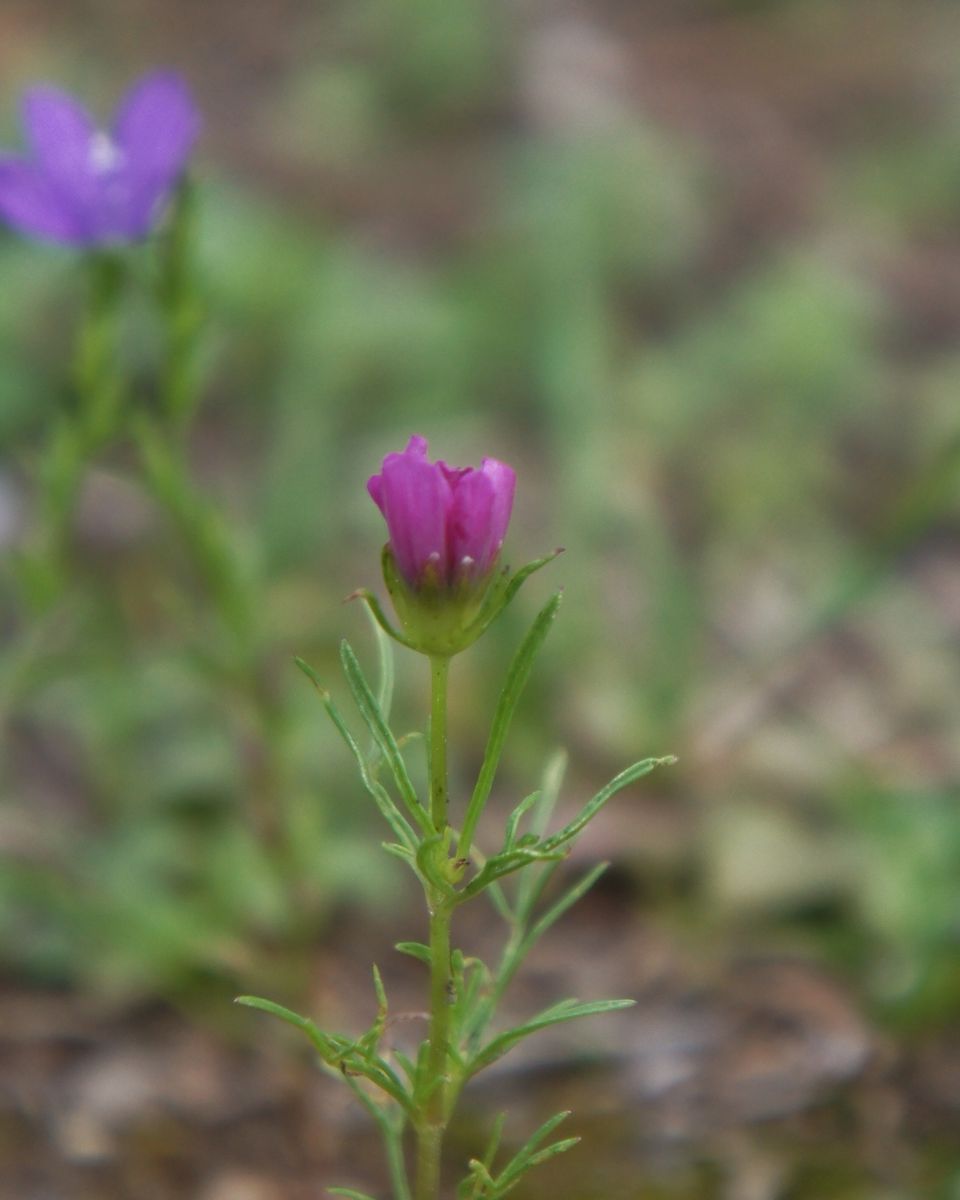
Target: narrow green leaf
{"x": 323, "y": 1043}
{"x": 371, "y": 1039}
{"x": 566, "y": 901}
{"x": 513, "y": 821}
{"x": 358, "y": 1058}
{"x": 550, "y": 1151}
{"x": 558, "y": 1147}
{"x": 378, "y": 1071}
{"x": 525, "y": 1155}
{"x": 478, "y": 1185}
{"x": 505, "y": 864}
{"x": 590, "y": 810}
{"x": 399, "y": 851}
{"x": 352, "y": 1193}
{"x": 517, "y": 677}
{"x": 532, "y": 882}
{"x": 385, "y": 662}
{"x": 381, "y": 797}
{"x": 378, "y": 988}
{"x": 565, "y": 1011}
{"x": 383, "y": 622}
{"x": 311, "y": 674}
{"x": 493, "y": 1143}
{"x": 502, "y": 592}
{"x": 472, "y": 989}
{"x": 415, "y": 950}
{"x": 519, "y": 578}
{"x": 421, "y": 1086}
{"x": 391, "y": 1131}
{"x": 409, "y": 1069}
{"x": 338, "y": 1052}
{"x": 370, "y": 711}
{"x": 500, "y": 902}
{"x": 518, "y": 950}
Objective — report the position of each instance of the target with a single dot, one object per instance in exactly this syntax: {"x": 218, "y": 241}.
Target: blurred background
{"x": 693, "y": 267}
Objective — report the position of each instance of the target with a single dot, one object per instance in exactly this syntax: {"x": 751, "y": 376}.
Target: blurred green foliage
{"x": 737, "y": 460}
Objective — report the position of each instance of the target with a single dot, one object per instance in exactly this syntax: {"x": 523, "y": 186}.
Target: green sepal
{"x": 503, "y": 590}
{"x": 435, "y": 617}
{"x": 440, "y": 620}
{"x": 375, "y": 609}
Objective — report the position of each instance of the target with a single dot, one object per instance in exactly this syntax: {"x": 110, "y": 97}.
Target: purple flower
{"x": 446, "y": 524}
{"x": 84, "y": 186}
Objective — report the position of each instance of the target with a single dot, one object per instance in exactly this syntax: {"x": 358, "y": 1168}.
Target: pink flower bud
{"x": 446, "y": 524}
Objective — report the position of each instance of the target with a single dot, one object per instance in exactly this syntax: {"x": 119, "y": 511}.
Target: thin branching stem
{"x": 433, "y": 1121}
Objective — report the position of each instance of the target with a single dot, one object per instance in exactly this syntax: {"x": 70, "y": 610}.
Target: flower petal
{"x": 415, "y": 498}
{"x": 155, "y": 128}
{"x": 504, "y": 481}
{"x": 479, "y": 516}
{"x": 469, "y": 529}
{"x": 33, "y": 206}
{"x": 61, "y": 134}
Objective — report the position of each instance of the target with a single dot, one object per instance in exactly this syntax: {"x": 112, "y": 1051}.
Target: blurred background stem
{"x": 433, "y": 1121}
{"x": 78, "y": 434}
{"x": 230, "y": 585}
{"x": 182, "y": 311}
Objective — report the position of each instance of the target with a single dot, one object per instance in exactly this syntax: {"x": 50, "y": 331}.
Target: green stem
{"x": 439, "y": 671}
{"x": 432, "y": 1126}
{"x": 396, "y": 1164}
{"x": 433, "y": 1121}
